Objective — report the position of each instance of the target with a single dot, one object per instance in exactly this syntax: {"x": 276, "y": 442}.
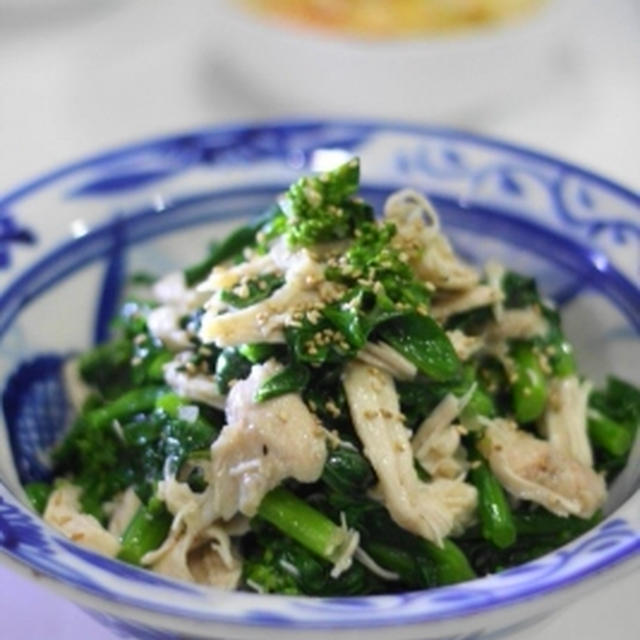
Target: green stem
{"x": 495, "y": 514}
{"x": 451, "y": 563}
{"x": 146, "y": 532}
{"x": 296, "y": 519}
{"x": 608, "y": 435}
{"x": 542, "y": 523}
{"x": 529, "y": 391}
{"x": 126, "y": 405}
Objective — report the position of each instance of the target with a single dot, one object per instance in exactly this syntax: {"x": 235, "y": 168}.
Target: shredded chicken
{"x": 303, "y": 289}
{"x": 517, "y": 324}
{"x": 366, "y": 560}
{"x": 532, "y": 469}
{"x": 213, "y": 560}
{"x": 172, "y": 291}
{"x": 164, "y": 324}
{"x": 465, "y": 346}
{"x": 382, "y": 356}
{"x": 432, "y": 510}
{"x": 124, "y": 508}
{"x": 262, "y": 444}
{"x": 442, "y": 456}
{"x": 195, "y": 386}
{"x": 431, "y": 255}
{"x": 75, "y": 387}
{"x": 198, "y": 547}
{"x": 495, "y": 273}
{"x": 63, "y": 513}
{"x": 482, "y": 295}
{"x": 565, "y": 420}
{"x": 206, "y": 557}
{"x": 347, "y": 546}
{"x": 436, "y": 443}
{"x": 186, "y": 506}
{"x": 226, "y": 277}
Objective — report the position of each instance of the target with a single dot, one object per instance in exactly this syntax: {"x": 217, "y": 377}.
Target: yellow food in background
{"x": 392, "y": 18}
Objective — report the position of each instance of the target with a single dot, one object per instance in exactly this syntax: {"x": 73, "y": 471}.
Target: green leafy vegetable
{"x": 108, "y": 366}
{"x": 347, "y": 471}
{"x": 146, "y": 532}
{"x": 540, "y": 522}
{"x": 519, "y": 291}
{"x": 435, "y": 565}
{"x": 614, "y": 438}
{"x": 414, "y": 571}
{"x": 529, "y": 390}
{"x": 292, "y": 379}
{"x": 129, "y": 442}
{"x": 133, "y": 430}
{"x": 230, "y": 247}
{"x": 258, "y": 352}
{"x": 230, "y": 366}
{"x": 281, "y": 565}
{"x": 494, "y": 511}
{"x": 127, "y": 405}
{"x": 614, "y": 417}
{"x": 373, "y": 262}
{"x": 322, "y": 208}
{"x": 38, "y": 494}
{"x": 252, "y": 292}
{"x": 422, "y": 341}
{"x": 296, "y": 519}
{"x": 556, "y": 347}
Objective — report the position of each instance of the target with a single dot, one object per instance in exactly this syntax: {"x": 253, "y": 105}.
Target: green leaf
{"x": 422, "y": 341}
{"x": 230, "y": 247}
{"x": 346, "y": 470}
{"x": 230, "y": 366}
{"x": 259, "y": 352}
{"x": 108, "y": 366}
{"x": 38, "y": 494}
{"x": 519, "y": 291}
{"x": 256, "y": 291}
{"x": 292, "y": 379}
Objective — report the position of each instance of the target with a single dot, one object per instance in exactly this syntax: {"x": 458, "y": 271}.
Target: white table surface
{"x": 76, "y": 80}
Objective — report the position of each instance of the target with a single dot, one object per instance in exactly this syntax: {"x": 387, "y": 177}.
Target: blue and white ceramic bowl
{"x": 68, "y": 238}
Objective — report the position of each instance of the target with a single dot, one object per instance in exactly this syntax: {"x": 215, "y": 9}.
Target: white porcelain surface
{"x": 446, "y": 75}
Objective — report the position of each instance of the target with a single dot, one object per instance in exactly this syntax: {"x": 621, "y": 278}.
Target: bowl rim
{"x": 44, "y": 178}
{"x": 369, "y": 126}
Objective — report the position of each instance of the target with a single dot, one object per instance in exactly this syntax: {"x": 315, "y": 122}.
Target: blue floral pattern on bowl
{"x": 147, "y": 206}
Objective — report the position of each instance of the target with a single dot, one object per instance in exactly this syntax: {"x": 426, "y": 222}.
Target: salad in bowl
{"x": 334, "y": 403}
{"x": 320, "y": 387}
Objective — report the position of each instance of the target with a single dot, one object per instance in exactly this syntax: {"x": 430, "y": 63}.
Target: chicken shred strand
{"x": 532, "y": 469}
{"x": 432, "y": 510}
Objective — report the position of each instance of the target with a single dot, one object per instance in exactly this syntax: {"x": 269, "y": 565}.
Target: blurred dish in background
{"x": 396, "y": 18}
{"x": 452, "y": 76}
